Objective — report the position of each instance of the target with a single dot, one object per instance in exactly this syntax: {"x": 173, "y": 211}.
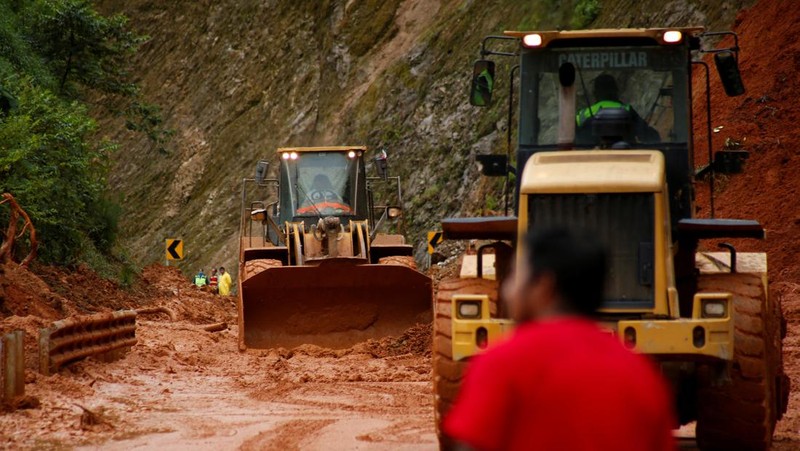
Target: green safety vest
{"x": 586, "y": 113}
{"x": 199, "y": 280}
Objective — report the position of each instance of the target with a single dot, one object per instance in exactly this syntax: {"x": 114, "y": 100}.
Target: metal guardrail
{"x": 12, "y": 366}
{"x": 78, "y": 337}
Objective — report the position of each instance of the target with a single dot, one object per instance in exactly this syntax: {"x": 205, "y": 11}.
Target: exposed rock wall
{"x": 237, "y": 79}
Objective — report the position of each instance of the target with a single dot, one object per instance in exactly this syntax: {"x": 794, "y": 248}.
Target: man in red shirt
{"x": 560, "y": 381}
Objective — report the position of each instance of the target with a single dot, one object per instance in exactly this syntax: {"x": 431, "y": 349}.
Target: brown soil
{"x": 764, "y": 120}
{"x": 181, "y": 386}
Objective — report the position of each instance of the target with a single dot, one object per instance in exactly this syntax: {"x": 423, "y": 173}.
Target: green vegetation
{"x": 55, "y": 55}
{"x": 586, "y": 11}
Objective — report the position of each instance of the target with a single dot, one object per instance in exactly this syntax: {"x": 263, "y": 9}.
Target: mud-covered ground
{"x": 183, "y": 387}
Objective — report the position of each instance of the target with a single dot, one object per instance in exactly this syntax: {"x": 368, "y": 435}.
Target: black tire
{"x": 401, "y": 260}
{"x": 782, "y": 382}
{"x": 253, "y": 267}
{"x": 447, "y": 374}
{"x": 742, "y": 413}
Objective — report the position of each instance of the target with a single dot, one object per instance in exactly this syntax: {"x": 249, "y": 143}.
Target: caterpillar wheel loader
{"x": 605, "y": 144}
{"x": 314, "y": 266}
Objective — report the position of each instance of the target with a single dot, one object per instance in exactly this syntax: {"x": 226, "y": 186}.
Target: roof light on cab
{"x": 532, "y": 40}
{"x": 285, "y": 155}
{"x": 351, "y": 154}
{"x": 672, "y": 36}
{"x": 293, "y": 155}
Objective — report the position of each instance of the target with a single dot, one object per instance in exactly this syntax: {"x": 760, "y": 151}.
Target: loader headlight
{"x": 469, "y": 309}
{"x": 714, "y": 308}
{"x": 532, "y": 40}
{"x": 394, "y": 212}
{"x": 672, "y": 36}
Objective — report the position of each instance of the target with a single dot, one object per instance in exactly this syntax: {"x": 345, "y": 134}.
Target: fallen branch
{"x": 216, "y": 327}
{"x": 154, "y": 310}
{"x": 7, "y": 249}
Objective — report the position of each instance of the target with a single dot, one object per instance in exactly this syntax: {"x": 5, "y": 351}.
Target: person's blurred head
{"x": 214, "y": 271}
{"x": 321, "y": 182}
{"x": 222, "y": 269}
{"x": 605, "y": 88}
{"x": 201, "y": 270}
{"x": 562, "y": 273}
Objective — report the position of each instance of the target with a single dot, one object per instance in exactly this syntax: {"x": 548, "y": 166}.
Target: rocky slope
{"x": 237, "y": 79}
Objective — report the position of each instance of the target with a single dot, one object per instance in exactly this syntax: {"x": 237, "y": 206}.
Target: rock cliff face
{"x": 237, "y": 79}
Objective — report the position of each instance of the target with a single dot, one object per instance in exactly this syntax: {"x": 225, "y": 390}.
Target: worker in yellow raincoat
{"x": 224, "y": 282}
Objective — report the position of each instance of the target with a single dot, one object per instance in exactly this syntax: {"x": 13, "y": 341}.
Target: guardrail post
{"x": 13, "y": 363}
{"x": 44, "y": 351}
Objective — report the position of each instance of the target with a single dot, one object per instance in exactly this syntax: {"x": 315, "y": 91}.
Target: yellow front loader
{"x": 605, "y": 144}
{"x": 313, "y": 266}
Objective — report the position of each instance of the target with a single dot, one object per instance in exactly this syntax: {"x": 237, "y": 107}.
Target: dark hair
{"x": 222, "y": 268}
{"x": 605, "y": 87}
{"x": 576, "y": 261}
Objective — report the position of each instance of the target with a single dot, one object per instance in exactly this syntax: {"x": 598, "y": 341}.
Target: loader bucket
{"x": 334, "y": 305}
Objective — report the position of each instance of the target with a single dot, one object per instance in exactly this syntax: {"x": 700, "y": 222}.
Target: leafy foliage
{"x": 84, "y": 47}
{"x": 53, "y": 55}
{"x": 91, "y": 51}
{"x": 56, "y": 173}
{"x": 586, "y": 11}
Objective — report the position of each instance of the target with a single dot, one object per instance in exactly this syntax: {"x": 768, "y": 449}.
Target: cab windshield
{"x": 648, "y": 82}
{"x": 321, "y": 184}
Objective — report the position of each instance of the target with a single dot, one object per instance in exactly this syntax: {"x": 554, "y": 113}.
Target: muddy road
{"x": 182, "y": 387}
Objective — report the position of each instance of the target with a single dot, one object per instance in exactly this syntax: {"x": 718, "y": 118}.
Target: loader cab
{"x": 631, "y": 91}
{"x": 321, "y": 182}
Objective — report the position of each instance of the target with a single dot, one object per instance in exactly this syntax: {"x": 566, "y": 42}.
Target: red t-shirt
{"x": 562, "y": 384}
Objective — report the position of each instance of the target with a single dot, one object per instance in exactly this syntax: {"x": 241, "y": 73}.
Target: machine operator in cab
{"x": 323, "y": 198}
{"x": 606, "y": 94}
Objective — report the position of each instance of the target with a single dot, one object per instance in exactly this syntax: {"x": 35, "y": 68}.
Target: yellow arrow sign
{"x": 434, "y": 238}
{"x": 174, "y": 249}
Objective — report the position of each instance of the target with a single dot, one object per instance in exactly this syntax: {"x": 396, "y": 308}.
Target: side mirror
{"x": 492, "y": 165}
{"x": 382, "y": 165}
{"x": 482, "y": 83}
{"x": 394, "y": 212}
{"x": 728, "y": 69}
{"x": 261, "y": 171}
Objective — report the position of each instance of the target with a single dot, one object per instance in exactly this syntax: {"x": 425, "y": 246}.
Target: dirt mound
{"x": 24, "y": 293}
{"x": 89, "y": 292}
{"x": 764, "y": 120}
{"x": 416, "y": 340}
{"x": 169, "y": 288}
